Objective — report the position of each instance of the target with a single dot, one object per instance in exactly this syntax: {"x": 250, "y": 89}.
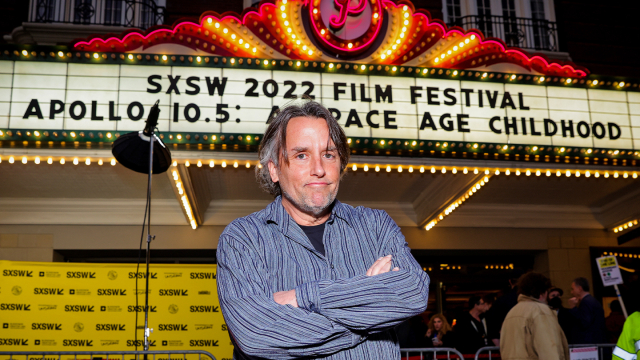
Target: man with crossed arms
{"x": 309, "y": 276}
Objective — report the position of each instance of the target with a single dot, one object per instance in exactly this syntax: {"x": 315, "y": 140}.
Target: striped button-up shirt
{"x": 342, "y": 313}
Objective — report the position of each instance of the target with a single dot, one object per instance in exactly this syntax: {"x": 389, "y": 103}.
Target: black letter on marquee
{"x": 492, "y": 100}
{"x": 83, "y": 110}
{"x": 431, "y": 98}
{"x": 335, "y": 112}
{"x": 53, "y": 109}
{"x": 595, "y": 128}
{"x": 521, "y": 101}
{"x": 524, "y": 125}
{"x": 587, "y": 129}
{"x": 219, "y": 111}
{"x": 217, "y": 85}
{"x": 533, "y": 128}
{"x": 353, "y": 92}
{"x": 112, "y": 116}
{"x": 617, "y": 128}
{"x": 547, "y": 130}
{"x": 384, "y": 95}
{"x": 414, "y": 93}
{"x": 507, "y": 101}
{"x": 250, "y": 93}
{"x": 567, "y": 128}
{"x": 265, "y": 86}
{"x": 479, "y": 98}
{"x": 388, "y": 119}
{"x": 274, "y": 111}
{"x": 444, "y": 127}
{"x": 152, "y": 82}
{"x": 188, "y": 116}
{"x": 94, "y": 111}
{"x": 196, "y": 87}
{"x": 140, "y": 110}
{"x": 492, "y": 127}
{"x": 427, "y": 121}
{"x": 353, "y": 119}
{"x": 337, "y": 91}
{"x": 173, "y": 84}
{"x": 33, "y": 109}
{"x": 467, "y": 96}
{"x": 508, "y": 126}
{"x": 176, "y": 107}
{"x": 363, "y": 96}
{"x": 462, "y": 124}
{"x": 452, "y": 99}
{"x": 369, "y": 115}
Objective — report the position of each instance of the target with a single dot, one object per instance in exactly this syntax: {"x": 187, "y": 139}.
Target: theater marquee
{"x": 216, "y": 98}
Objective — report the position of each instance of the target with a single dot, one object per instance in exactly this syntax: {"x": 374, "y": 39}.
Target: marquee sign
{"x": 226, "y": 98}
{"x": 362, "y": 31}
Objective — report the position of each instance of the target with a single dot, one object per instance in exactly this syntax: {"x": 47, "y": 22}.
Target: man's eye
{"x": 329, "y": 156}
{"x": 301, "y": 156}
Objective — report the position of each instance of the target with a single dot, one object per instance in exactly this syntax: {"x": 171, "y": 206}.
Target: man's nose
{"x": 317, "y": 166}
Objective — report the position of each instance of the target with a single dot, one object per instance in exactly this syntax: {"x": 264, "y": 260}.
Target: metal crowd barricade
{"x": 602, "y": 354}
{"x": 106, "y": 355}
{"x": 488, "y": 349}
{"x": 430, "y": 351}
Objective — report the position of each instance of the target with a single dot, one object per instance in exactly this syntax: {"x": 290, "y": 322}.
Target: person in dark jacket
{"x": 501, "y": 307}
{"x": 588, "y": 313}
{"x": 565, "y": 319}
{"x": 614, "y": 322}
{"x": 471, "y": 328}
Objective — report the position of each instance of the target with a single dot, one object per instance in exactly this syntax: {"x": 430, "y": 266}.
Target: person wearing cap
{"x": 565, "y": 319}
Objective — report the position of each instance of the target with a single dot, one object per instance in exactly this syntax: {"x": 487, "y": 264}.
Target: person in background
{"x": 588, "y": 327}
{"x": 614, "y": 322}
{"x": 565, "y": 319}
{"x": 628, "y": 346}
{"x": 497, "y": 313}
{"x": 531, "y": 330}
{"x": 471, "y": 328}
{"x": 439, "y": 332}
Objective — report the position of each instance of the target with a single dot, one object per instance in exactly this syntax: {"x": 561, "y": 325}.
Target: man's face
{"x": 576, "y": 290}
{"x": 482, "y": 307}
{"x": 310, "y": 180}
{"x": 554, "y": 294}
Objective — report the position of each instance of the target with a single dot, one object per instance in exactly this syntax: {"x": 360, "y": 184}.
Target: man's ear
{"x": 273, "y": 171}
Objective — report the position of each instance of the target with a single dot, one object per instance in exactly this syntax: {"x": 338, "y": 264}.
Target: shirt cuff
{"x": 308, "y": 296}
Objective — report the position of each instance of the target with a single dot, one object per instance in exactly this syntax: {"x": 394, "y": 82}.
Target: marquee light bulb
{"x": 95, "y": 55}
{"x": 62, "y": 161}
{"x": 49, "y": 161}
{"x": 113, "y": 162}
{"x": 164, "y": 57}
{"x": 25, "y": 52}
{"x": 388, "y": 168}
{"x": 75, "y": 161}
{"x": 24, "y": 159}
{"x": 377, "y": 168}
{"x": 217, "y": 25}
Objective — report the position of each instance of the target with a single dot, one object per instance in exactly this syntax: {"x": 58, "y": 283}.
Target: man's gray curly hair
{"x": 273, "y": 145}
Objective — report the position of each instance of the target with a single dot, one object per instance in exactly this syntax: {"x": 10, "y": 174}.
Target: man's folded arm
{"x": 260, "y": 326}
{"x": 372, "y": 303}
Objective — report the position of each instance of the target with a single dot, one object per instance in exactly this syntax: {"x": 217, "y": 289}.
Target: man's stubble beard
{"x": 305, "y": 204}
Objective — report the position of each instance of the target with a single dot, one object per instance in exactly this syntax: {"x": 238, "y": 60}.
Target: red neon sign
{"x": 345, "y": 9}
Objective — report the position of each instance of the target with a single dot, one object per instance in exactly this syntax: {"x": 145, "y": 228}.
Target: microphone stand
{"x": 148, "y": 331}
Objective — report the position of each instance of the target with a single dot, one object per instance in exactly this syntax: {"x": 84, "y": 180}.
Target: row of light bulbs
{"x": 354, "y": 167}
{"x": 184, "y": 199}
{"x": 625, "y": 226}
{"x": 456, "y": 203}
{"x": 622, "y": 255}
{"x": 499, "y": 267}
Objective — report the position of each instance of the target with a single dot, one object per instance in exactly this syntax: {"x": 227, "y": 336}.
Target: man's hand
{"x": 286, "y": 298}
{"x": 381, "y": 266}
{"x": 573, "y": 302}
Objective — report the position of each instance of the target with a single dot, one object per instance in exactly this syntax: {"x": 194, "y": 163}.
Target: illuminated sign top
{"x": 361, "y": 31}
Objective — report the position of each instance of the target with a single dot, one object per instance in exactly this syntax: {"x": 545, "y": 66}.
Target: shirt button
{"x": 362, "y": 338}
{"x": 332, "y": 266}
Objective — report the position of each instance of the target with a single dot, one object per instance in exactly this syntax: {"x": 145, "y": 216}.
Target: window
{"x": 540, "y": 25}
{"x": 484, "y": 17}
{"x": 511, "y": 36}
{"x": 453, "y": 12}
{"x": 45, "y": 10}
{"x": 113, "y": 12}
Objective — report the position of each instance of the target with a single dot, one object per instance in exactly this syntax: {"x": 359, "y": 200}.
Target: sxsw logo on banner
{"x": 46, "y": 326}
{"x": 174, "y": 292}
{"x": 112, "y": 292}
{"x": 48, "y": 291}
{"x": 203, "y": 308}
{"x": 15, "y": 307}
{"x": 142, "y": 275}
{"x": 110, "y": 327}
{"x": 132, "y": 308}
{"x": 14, "y": 342}
{"x": 79, "y": 308}
{"x": 74, "y": 342}
{"x": 202, "y": 275}
{"x": 21, "y": 273}
{"x": 203, "y": 343}
{"x": 81, "y": 275}
{"x": 131, "y": 343}
{"x": 173, "y": 327}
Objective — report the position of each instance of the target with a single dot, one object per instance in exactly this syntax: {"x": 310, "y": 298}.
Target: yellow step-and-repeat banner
{"x": 78, "y": 306}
